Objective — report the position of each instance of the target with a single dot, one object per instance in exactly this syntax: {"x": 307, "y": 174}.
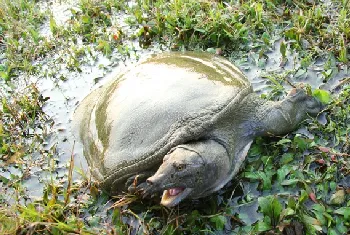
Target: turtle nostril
{"x": 149, "y": 182}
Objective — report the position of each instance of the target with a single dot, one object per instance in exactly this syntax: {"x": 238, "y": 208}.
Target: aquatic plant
{"x": 297, "y": 182}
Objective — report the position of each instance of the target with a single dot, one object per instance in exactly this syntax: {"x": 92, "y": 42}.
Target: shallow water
{"x": 66, "y": 95}
{"x": 312, "y": 75}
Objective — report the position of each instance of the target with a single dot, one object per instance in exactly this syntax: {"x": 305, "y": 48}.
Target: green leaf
{"x": 322, "y": 95}
{"x": 312, "y": 221}
{"x": 300, "y": 142}
{"x": 283, "y": 172}
{"x": 333, "y": 185}
{"x": 328, "y": 72}
{"x": 289, "y": 182}
{"x": 289, "y": 211}
{"x": 219, "y": 221}
{"x": 329, "y": 218}
{"x": 303, "y": 196}
{"x": 345, "y": 211}
{"x": 85, "y": 19}
{"x": 267, "y": 179}
{"x": 340, "y": 225}
{"x": 283, "y": 141}
{"x": 170, "y": 229}
{"x": 35, "y": 35}
{"x": 116, "y": 217}
{"x": 319, "y": 211}
{"x": 252, "y": 175}
{"x": 228, "y": 33}
{"x": 4, "y": 75}
{"x": 338, "y": 197}
{"x": 332, "y": 231}
{"x": 286, "y": 158}
{"x": 200, "y": 30}
{"x": 291, "y": 203}
{"x": 271, "y": 207}
{"x": 283, "y": 49}
{"x": 266, "y": 38}
{"x": 4, "y": 179}
{"x": 262, "y": 226}
{"x": 347, "y": 214}
{"x": 104, "y": 47}
{"x": 319, "y": 208}
{"x": 300, "y": 73}
{"x": 53, "y": 25}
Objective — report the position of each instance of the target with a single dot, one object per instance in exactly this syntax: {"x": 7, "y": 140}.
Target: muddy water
{"x": 66, "y": 95}
{"x": 273, "y": 65}
{"x": 66, "y": 89}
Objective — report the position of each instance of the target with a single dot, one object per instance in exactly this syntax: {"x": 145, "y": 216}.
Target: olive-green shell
{"x": 128, "y": 125}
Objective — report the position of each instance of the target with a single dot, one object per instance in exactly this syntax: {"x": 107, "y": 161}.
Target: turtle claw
{"x": 143, "y": 189}
{"x": 138, "y": 189}
{"x": 136, "y": 184}
{"x": 146, "y": 190}
{"x": 131, "y": 184}
{"x": 132, "y": 189}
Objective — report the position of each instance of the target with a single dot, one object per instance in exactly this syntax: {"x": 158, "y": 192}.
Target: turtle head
{"x": 186, "y": 173}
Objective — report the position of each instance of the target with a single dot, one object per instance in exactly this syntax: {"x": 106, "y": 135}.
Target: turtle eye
{"x": 180, "y": 167}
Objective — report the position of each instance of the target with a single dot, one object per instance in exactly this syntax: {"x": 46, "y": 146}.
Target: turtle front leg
{"x": 136, "y": 184}
{"x": 268, "y": 117}
{"x": 291, "y": 111}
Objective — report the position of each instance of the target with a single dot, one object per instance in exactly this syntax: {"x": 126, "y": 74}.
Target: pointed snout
{"x": 155, "y": 180}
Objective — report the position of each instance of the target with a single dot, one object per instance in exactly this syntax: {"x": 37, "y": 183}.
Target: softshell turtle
{"x": 181, "y": 124}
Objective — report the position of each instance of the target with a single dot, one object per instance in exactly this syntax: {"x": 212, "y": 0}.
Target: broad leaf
{"x": 322, "y": 95}
{"x": 219, "y": 221}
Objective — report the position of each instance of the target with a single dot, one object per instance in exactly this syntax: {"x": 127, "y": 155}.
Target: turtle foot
{"x": 137, "y": 184}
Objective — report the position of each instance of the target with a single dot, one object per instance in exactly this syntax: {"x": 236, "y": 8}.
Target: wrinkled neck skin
{"x": 217, "y": 168}
{"x": 254, "y": 117}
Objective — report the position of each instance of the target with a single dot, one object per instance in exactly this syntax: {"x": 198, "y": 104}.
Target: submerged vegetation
{"x": 293, "y": 184}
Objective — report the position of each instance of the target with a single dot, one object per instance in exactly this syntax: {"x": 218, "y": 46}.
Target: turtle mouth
{"x": 173, "y": 196}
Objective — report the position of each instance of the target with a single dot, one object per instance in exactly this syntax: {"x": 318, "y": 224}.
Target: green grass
{"x": 289, "y": 182}
{"x": 19, "y": 23}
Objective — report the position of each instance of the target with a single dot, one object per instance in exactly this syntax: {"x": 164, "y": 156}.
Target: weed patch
{"x": 297, "y": 183}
